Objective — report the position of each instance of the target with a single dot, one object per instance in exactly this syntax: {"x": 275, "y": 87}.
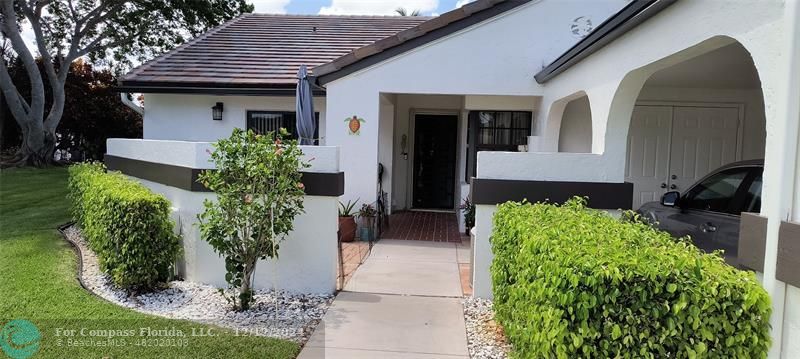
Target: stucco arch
{"x": 554, "y": 115}
{"x": 620, "y": 108}
{"x": 575, "y": 134}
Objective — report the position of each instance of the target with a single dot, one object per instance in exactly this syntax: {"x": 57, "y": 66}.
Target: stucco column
{"x": 482, "y": 255}
{"x": 780, "y": 178}
{"x": 358, "y": 150}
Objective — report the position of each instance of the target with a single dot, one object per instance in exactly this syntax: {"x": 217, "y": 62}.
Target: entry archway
{"x": 575, "y": 134}
{"x": 692, "y": 117}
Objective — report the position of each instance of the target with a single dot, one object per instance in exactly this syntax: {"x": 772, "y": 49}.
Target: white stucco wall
{"x": 188, "y": 117}
{"x": 386, "y": 149}
{"x": 576, "y": 127}
{"x": 487, "y": 64}
{"x": 308, "y": 256}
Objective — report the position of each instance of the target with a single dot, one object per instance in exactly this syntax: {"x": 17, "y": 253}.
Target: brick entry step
{"x": 424, "y": 226}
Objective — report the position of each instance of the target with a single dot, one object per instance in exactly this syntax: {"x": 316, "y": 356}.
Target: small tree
{"x": 259, "y": 193}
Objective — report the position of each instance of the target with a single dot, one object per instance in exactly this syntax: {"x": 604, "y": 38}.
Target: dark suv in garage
{"x": 709, "y": 211}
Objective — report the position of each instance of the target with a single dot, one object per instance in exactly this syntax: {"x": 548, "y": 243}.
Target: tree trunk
{"x": 37, "y": 148}
{"x": 246, "y": 290}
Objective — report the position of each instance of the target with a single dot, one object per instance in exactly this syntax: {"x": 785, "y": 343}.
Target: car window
{"x": 715, "y": 193}
{"x": 752, "y": 198}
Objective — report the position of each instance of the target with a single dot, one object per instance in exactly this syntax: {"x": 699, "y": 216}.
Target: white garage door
{"x": 671, "y": 147}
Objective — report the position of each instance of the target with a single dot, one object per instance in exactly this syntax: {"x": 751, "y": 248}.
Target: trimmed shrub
{"x": 125, "y": 224}
{"x": 574, "y": 282}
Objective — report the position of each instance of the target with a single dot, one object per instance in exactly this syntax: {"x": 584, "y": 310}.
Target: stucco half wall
{"x": 308, "y": 256}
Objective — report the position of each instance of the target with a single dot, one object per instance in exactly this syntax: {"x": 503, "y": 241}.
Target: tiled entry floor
{"x": 423, "y": 226}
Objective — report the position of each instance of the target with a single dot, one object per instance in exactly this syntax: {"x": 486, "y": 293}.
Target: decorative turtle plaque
{"x": 354, "y": 124}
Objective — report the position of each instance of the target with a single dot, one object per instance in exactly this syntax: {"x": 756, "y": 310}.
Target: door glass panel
{"x": 716, "y": 192}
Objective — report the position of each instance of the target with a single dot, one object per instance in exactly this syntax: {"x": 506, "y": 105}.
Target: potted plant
{"x": 367, "y": 215}
{"x": 347, "y": 223}
{"x": 468, "y": 208}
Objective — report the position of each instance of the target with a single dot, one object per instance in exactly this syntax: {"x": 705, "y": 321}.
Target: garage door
{"x": 671, "y": 147}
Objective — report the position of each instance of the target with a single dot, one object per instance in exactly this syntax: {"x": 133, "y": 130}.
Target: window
{"x": 752, "y": 198}
{"x": 495, "y": 131}
{"x": 266, "y": 121}
{"x": 716, "y": 193}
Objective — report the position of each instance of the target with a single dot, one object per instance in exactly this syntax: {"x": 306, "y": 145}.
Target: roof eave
{"x": 617, "y": 25}
{"x": 214, "y": 89}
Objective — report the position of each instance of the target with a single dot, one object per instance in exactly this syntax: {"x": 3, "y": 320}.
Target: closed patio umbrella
{"x": 305, "y": 108}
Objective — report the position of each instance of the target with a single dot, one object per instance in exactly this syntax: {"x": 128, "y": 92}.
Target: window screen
{"x": 495, "y": 131}
{"x": 266, "y": 121}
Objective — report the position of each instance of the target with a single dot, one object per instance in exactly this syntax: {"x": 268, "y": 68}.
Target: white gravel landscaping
{"x": 293, "y": 318}
{"x": 485, "y": 337}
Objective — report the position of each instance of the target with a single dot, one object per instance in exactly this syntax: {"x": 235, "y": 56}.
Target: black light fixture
{"x": 216, "y": 112}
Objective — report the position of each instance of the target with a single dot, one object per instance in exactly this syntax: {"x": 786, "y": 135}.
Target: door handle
{"x": 663, "y": 185}
{"x": 673, "y": 186}
{"x": 708, "y": 227}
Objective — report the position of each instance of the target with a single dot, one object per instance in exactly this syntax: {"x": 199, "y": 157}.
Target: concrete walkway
{"x": 403, "y": 302}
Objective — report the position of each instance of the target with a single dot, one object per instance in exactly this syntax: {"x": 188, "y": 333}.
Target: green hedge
{"x": 127, "y": 226}
{"x": 574, "y": 282}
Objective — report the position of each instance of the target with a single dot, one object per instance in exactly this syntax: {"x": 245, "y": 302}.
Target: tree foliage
{"x": 258, "y": 194}
{"x": 403, "y": 12}
{"x": 93, "y": 112}
{"x": 65, "y": 30}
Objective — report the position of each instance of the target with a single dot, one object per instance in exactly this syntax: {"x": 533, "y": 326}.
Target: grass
{"x": 37, "y": 283}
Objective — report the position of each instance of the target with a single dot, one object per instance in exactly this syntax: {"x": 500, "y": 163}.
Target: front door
{"x": 434, "y": 161}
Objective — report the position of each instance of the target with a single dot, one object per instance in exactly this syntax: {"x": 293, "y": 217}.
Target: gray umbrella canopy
{"x": 305, "y": 108}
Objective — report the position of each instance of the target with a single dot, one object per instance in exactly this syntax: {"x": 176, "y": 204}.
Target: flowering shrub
{"x": 259, "y": 193}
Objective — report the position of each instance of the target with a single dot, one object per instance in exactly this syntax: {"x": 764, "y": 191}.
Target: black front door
{"x": 435, "y": 161}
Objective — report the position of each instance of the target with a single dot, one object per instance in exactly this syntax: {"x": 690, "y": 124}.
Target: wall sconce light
{"x": 216, "y": 112}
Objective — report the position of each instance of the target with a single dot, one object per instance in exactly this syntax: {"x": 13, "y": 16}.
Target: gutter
{"x": 124, "y": 96}
{"x": 215, "y": 90}
{"x": 617, "y": 25}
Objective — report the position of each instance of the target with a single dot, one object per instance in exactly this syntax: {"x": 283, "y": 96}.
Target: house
{"x": 249, "y": 65}
{"x": 505, "y": 100}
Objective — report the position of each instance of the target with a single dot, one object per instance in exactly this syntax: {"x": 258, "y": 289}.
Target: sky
{"x": 331, "y": 7}
{"x": 355, "y": 7}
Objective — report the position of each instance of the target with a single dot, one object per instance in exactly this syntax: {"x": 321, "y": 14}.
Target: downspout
{"x": 783, "y": 165}
{"x": 127, "y": 101}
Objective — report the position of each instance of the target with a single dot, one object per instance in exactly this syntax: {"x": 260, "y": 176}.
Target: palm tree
{"x": 403, "y": 12}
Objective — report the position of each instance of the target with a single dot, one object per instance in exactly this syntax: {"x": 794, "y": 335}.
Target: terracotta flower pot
{"x": 347, "y": 229}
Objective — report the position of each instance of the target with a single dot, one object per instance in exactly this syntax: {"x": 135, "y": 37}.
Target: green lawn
{"x": 37, "y": 283}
